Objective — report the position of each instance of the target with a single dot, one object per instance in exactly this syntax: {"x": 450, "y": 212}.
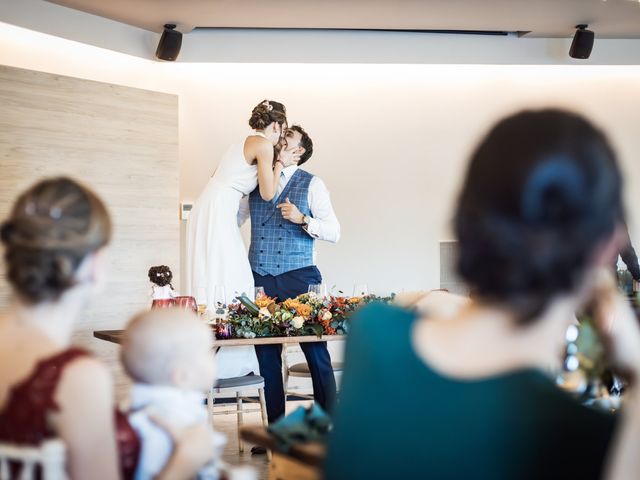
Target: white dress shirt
{"x": 323, "y": 224}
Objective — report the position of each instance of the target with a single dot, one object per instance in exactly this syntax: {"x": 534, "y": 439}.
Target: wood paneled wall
{"x": 122, "y": 142}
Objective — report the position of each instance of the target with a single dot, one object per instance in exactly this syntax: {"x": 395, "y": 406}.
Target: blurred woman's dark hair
{"x": 52, "y": 227}
{"x": 542, "y": 191}
{"x": 267, "y": 112}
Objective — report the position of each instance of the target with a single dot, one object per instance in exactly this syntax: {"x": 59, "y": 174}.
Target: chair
{"x": 300, "y": 370}
{"x": 240, "y": 387}
{"x": 50, "y": 456}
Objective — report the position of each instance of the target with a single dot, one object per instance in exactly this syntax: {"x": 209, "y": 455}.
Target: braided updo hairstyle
{"x": 542, "y": 191}
{"x": 267, "y": 112}
{"x": 52, "y": 227}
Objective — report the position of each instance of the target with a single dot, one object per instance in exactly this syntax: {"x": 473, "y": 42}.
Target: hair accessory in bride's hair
{"x": 268, "y": 105}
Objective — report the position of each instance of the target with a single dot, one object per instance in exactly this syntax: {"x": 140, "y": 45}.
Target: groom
{"x": 282, "y": 257}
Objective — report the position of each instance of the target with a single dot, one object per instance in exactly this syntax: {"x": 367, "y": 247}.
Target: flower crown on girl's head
{"x": 161, "y": 275}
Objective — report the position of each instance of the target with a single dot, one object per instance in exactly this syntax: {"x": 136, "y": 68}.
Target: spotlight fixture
{"x": 169, "y": 44}
{"x": 582, "y": 42}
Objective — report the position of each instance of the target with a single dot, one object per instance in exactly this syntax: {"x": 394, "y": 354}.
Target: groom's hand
{"x": 290, "y": 212}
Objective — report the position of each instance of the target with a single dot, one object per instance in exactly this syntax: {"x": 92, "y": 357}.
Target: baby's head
{"x": 169, "y": 347}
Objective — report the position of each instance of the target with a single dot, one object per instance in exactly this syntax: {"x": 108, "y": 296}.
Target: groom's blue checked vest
{"x": 278, "y": 245}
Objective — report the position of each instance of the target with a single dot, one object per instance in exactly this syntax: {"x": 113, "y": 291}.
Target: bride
{"x": 216, "y": 254}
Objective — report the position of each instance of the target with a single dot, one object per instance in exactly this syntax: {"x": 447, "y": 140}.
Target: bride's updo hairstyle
{"x": 267, "y": 112}
{"x": 52, "y": 227}
{"x": 542, "y": 191}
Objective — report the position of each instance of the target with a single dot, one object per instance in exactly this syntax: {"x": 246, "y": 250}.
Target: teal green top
{"x": 399, "y": 419}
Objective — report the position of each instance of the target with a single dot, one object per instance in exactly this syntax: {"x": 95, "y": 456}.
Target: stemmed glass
{"x": 319, "y": 289}
{"x": 360, "y": 290}
{"x": 201, "y": 299}
{"x": 221, "y": 326}
{"x": 259, "y": 293}
{"x": 220, "y": 301}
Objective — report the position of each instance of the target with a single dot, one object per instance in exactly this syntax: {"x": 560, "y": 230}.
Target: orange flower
{"x": 326, "y": 325}
{"x": 291, "y": 304}
{"x": 263, "y": 301}
{"x": 354, "y": 300}
{"x": 303, "y": 310}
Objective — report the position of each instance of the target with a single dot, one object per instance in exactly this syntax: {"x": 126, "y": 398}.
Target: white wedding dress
{"x": 216, "y": 254}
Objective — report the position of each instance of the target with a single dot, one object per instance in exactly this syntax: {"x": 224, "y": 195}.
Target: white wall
{"x": 391, "y": 143}
{"x": 391, "y": 140}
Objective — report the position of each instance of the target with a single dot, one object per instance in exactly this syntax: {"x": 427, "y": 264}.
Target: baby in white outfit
{"x": 169, "y": 354}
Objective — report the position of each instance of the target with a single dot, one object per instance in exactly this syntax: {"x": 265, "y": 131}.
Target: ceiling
{"x": 541, "y": 18}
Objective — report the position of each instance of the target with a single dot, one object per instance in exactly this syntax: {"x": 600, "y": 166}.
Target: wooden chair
{"x": 241, "y": 388}
{"x": 300, "y": 370}
{"x": 50, "y": 456}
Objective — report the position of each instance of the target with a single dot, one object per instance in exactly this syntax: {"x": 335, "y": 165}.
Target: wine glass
{"x": 201, "y": 299}
{"x": 259, "y": 293}
{"x": 319, "y": 290}
{"x": 220, "y": 301}
{"x": 360, "y": 290}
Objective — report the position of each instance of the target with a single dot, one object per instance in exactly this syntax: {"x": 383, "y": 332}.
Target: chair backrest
{"x": 50, "y": 456}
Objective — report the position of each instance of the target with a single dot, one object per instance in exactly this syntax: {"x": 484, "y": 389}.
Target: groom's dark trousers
{"x": 284, "y": 286}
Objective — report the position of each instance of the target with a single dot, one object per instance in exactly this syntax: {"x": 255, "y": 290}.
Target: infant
{"x": 169, "y": 355}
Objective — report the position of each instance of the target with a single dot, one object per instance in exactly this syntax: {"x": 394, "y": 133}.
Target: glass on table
{"x": 222, "y": 329}
{"x": 163, "y": 303}
{"x": 201, "y": 300}
{"x": 360, "y": 290}
{"x": 219, "y": 301}
{"x": 186, "y": 302}
{"x": 319, "y": 290}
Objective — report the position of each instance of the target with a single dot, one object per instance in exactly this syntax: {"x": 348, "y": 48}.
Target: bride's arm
{"x": 268, "y": 175}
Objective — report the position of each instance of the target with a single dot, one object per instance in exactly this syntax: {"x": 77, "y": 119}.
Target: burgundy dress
{"x": 24, "y": 418}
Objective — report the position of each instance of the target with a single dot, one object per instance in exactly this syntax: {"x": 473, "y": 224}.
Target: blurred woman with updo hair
{"x": 54, "y": 241}
{"x": 216, "y": 254}
{"x": 538, "y": 222}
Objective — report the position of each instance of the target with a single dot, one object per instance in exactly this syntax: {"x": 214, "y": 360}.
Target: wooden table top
{"x": 115, "y": 336}
{"x": 312, "y": 453}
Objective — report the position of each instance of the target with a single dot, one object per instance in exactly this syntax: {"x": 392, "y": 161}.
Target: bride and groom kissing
{"x": 259, "y": 177}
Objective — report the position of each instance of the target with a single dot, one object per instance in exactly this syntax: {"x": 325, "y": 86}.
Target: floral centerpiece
{"x": 307, "y": 314}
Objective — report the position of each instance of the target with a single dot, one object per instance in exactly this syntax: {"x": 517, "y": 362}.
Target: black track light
{"x": 170, "y": 43}
{"x": 582, "y": 42}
